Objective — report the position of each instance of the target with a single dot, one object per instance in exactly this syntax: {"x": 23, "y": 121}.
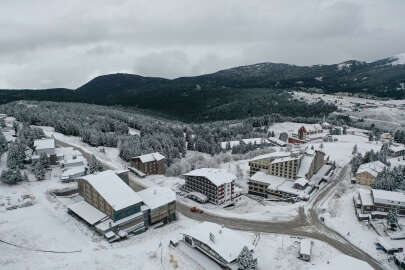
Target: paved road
{"x": 302, "y": 225}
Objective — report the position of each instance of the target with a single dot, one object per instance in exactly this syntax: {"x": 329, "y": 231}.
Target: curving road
{"x": 302, "y": 225}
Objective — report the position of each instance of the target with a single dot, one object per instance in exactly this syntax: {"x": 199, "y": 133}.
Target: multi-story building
{"x": 286, "y": 176}
{"x": 217, "y": 184}
{"x": 367, "y": 173}
{"x": 114, "y": 209}
{"x": 263, "y": 162}
{"x": 286, "y": 167}
{"x": 153, "y": 163}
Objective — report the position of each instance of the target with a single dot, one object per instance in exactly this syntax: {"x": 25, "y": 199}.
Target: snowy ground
{"x": 338, "y": 209}
{"x": 383, "y": 117}
{"x": 47, "y": 226}
{"x": 341, "y": 151}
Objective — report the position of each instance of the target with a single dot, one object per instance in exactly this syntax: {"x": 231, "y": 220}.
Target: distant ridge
{"x": 201, "y": 97}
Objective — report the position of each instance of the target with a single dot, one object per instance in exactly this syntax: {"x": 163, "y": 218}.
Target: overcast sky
{"x": 52, "y": 43}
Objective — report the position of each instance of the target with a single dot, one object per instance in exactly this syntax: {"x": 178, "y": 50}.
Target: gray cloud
{"x": 54, "y": 43}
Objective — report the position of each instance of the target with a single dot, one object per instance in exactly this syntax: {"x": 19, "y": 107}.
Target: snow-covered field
{"x": 341, "y": 151}
{"x": 384, "y": 116}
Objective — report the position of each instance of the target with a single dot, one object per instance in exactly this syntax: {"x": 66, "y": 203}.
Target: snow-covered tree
{"x": 246, "y": 260}
{"x": 3, "y": 144}
{"x": 355, "y": 150}
{"x": 16, "y": 155}
{"x": 392, "y": 218}
{"x": 44, "y": 160}
{"x": 283, "y": 136}
{"x": 39, "y": 170}
{"x": 94, "y": 165}
{"x": 11, "y": 177}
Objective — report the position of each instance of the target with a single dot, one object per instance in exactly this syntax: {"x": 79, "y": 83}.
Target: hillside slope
{"x": 236, "y": 92}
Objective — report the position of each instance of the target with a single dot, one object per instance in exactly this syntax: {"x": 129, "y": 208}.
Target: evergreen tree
{"x": 246, "y": 260}
{"x": 392, "y": 218}
{"x": 44, "y": 160}
{"x": 94, "y": 165}
{"x": 3, "y": 144}
{"x": 355, "y": 150}
{"x": 283, "y": 136}
{"x": 16, "y": 155}
{"x": 39, "y": 170}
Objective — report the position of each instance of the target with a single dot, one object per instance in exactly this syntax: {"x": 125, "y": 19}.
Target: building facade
{"x": 153, "y": 163}
{"x": 367, "y": 173}
{"x": 114, "y": 209}
{"x": 217, "y": 184}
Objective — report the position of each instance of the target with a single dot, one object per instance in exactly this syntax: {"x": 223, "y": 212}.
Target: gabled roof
{"x": 216, "y": 176}
{"x": 150, "y": 157}
{"x": 373, "y": 168}
{"x": 117, "y": 194}
{"x": 44, "y": 144}
{"x": 227, "y": 243}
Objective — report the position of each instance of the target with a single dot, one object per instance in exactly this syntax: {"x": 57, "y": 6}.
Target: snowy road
{"x": 306, "y": 225}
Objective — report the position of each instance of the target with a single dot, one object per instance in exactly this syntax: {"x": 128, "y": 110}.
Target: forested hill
{"x": 234, "y": 93}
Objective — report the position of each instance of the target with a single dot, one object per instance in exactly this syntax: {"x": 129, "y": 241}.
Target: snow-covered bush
{"x": 11, "y": 177}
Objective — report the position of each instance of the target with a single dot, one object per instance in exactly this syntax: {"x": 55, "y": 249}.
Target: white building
{"x": 217, "y": 184}
{"x": 217, "y": 242}
{"x": 46, "y": 146}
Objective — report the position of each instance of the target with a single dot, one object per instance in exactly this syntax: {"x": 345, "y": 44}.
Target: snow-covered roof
{"x": 150, "y": 157}
{"x": 373, "y": 168}
{"x": 365, "y": 197}
{"x": 278, "y": 154}
{"x": 388, "y": 197}
{"x": 44, "y": 144}
{"x": 87, "y": 212}
{"x": 305, "y": 247}
{"x": 118, "y": 194}
{"x": 397, "y": 148}
{"x": 227, "y": 243}
{"x": 157, "y": 196}
{"x": 305, "y": 164}
{"x": 216, "y": 176}
{"x": 277, "y": 141}
{"x": 284, "y": 159}
{"x": 73, "y": 171}
{"x": 301, "y": 181}
{"x": 267, "y": 178}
